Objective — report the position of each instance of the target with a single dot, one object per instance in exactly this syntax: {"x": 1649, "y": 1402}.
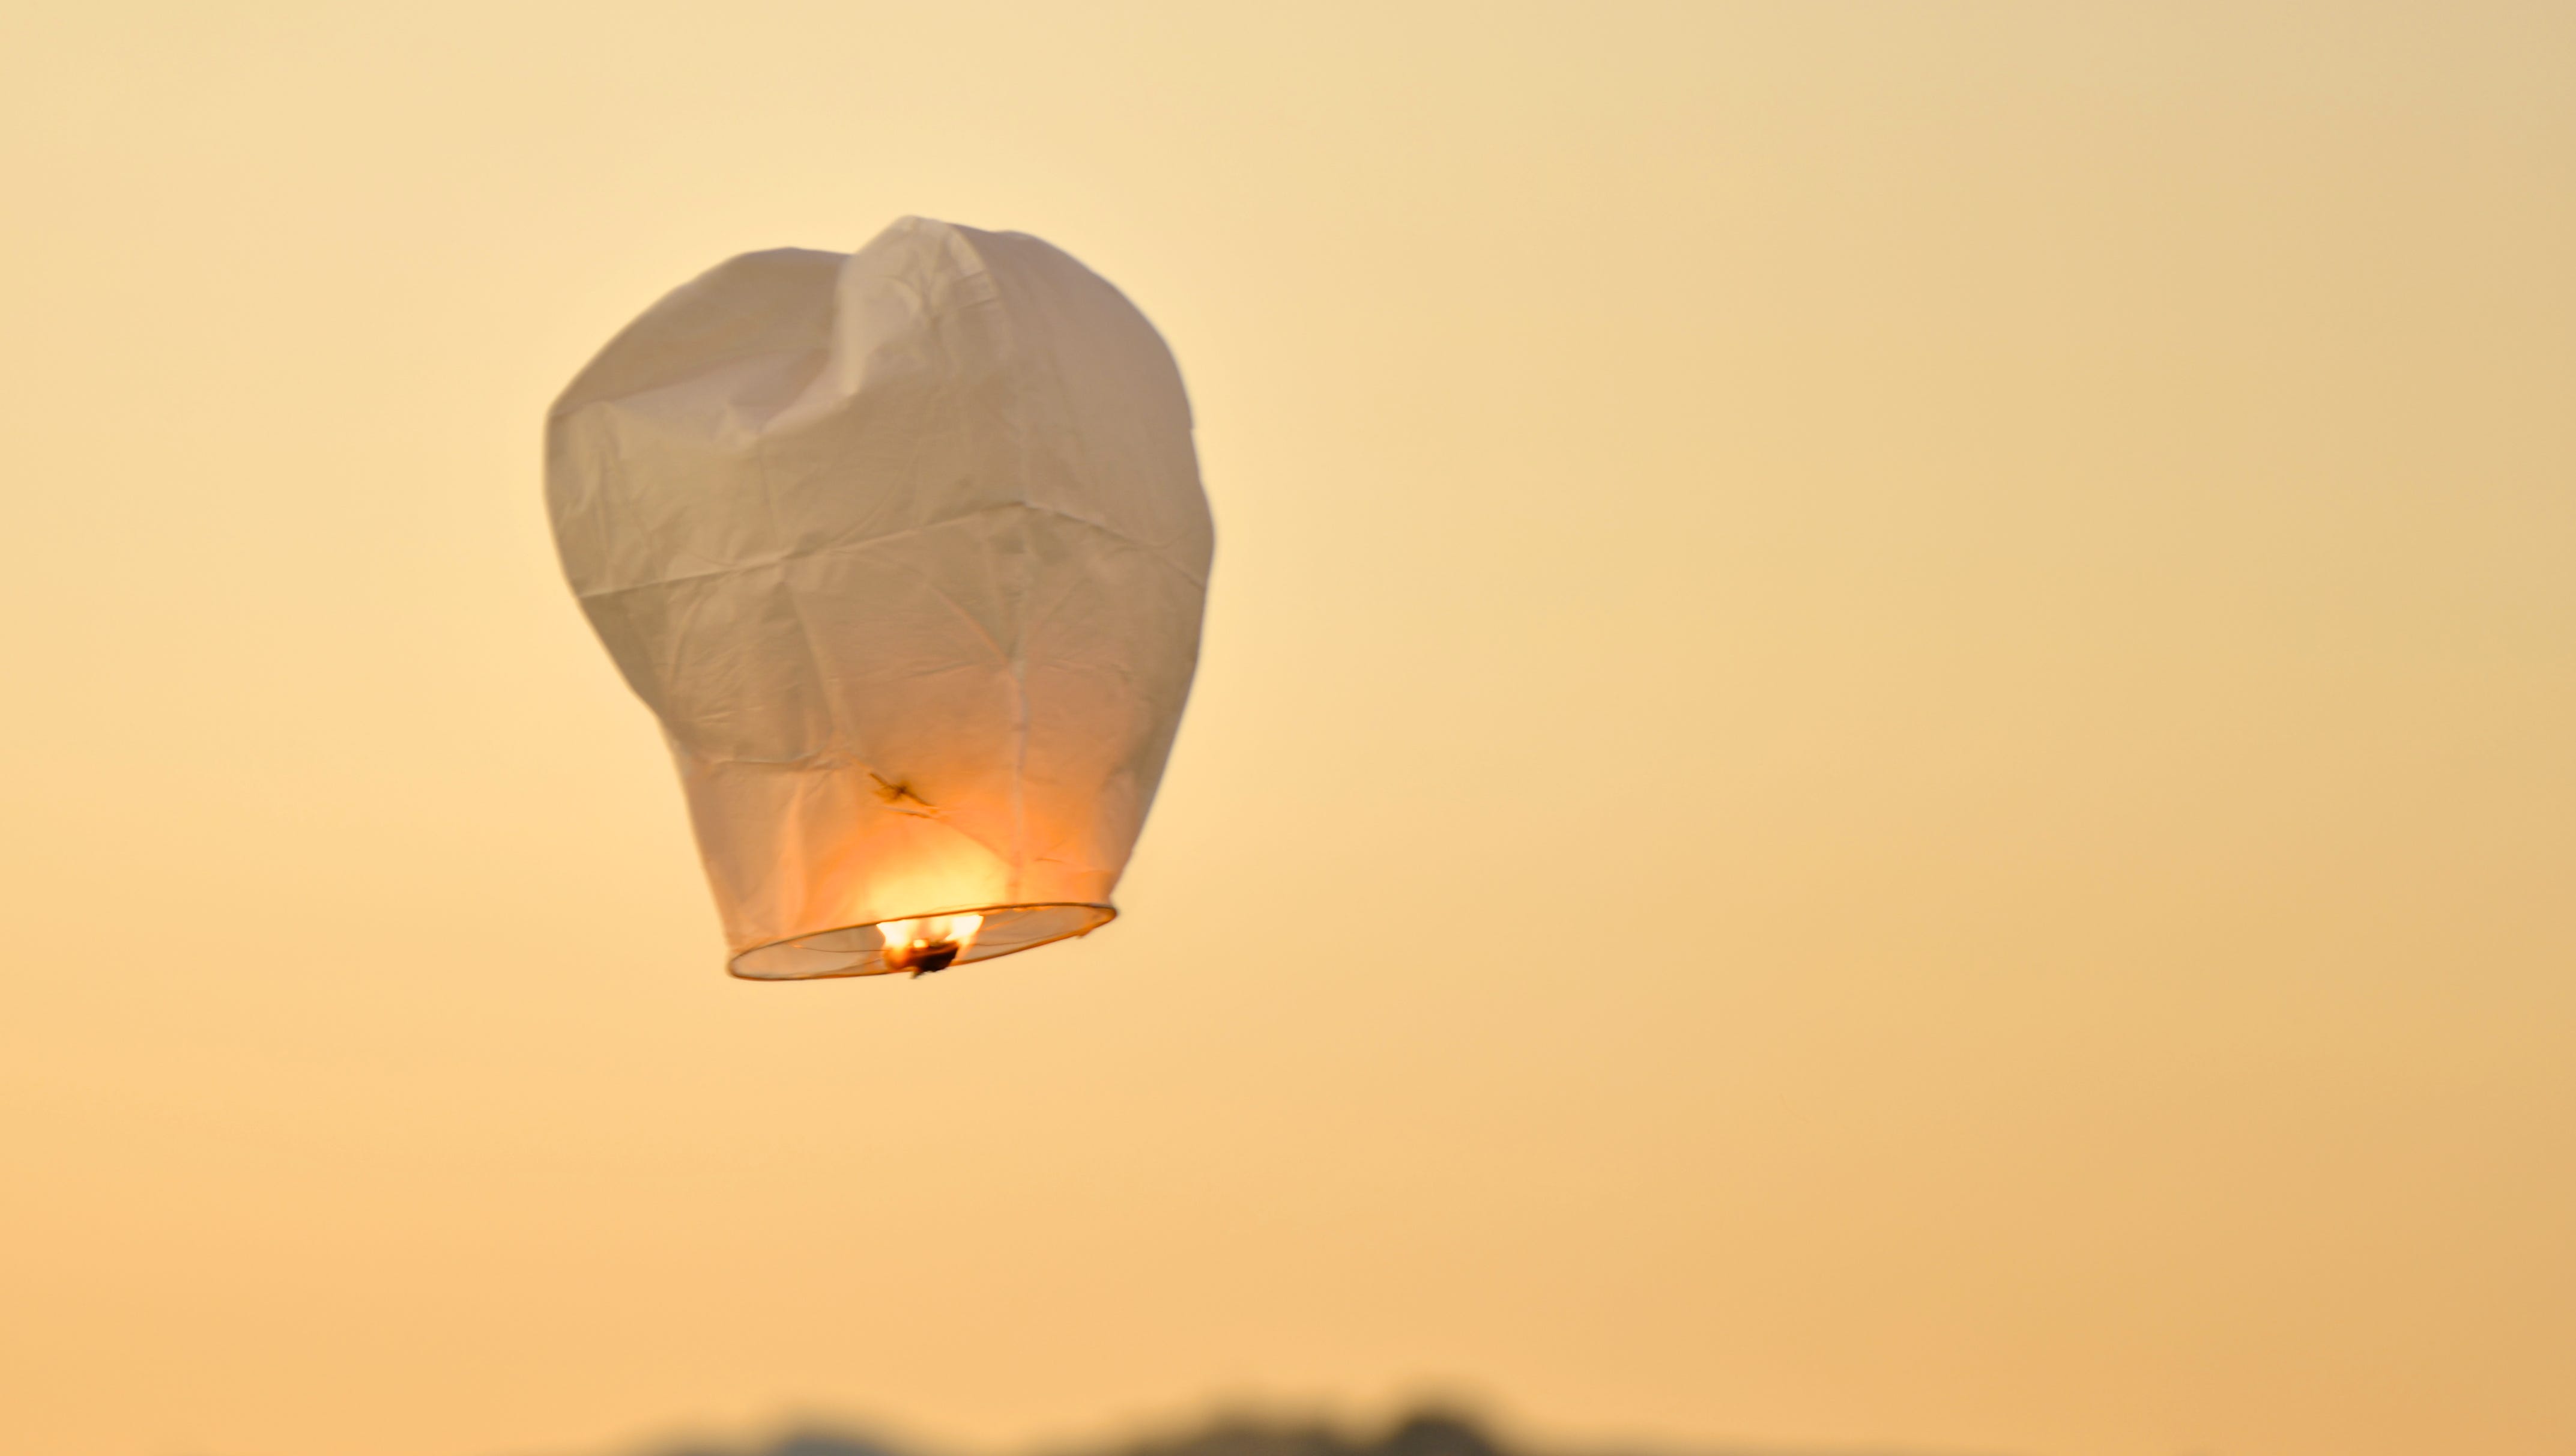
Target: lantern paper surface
{"x": 907, "y": 550}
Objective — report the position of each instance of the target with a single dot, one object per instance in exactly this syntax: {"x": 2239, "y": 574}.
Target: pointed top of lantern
{"x": 907, "y": 550}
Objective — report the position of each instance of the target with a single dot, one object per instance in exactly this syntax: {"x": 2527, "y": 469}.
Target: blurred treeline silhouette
{"x": 1427, "y": 1431}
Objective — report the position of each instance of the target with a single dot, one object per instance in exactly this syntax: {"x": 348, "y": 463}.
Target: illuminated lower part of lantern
{"x": 920, "y": 944}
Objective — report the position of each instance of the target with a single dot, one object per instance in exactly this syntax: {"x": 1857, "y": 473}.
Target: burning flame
{"x": 931, "y": 943}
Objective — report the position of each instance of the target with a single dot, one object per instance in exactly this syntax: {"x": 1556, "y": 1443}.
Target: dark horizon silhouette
{"x": 1430, "y": 1430}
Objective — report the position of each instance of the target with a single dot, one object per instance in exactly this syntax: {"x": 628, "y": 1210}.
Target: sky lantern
{"x": 907, "y": 550}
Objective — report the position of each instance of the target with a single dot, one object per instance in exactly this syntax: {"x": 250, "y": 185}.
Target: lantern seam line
{"x": 1146, "y": 547}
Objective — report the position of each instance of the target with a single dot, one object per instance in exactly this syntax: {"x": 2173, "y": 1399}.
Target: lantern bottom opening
{"x": 879, "y": 947}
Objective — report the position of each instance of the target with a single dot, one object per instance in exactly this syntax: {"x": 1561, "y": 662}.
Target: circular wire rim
{"x": 870, "y": 962}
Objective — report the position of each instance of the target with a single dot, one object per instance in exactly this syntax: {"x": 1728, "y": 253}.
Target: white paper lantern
{"x": 907, "y": 550}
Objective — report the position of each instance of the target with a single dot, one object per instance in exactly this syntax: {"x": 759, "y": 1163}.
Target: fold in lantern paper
{"x": 907, "y": 550}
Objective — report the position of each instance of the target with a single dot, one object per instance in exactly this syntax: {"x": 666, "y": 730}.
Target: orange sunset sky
{"x": 1886, "y": 751}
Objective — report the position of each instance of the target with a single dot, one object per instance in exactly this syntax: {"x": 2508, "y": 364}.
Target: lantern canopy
{"x": 906, "y": 549}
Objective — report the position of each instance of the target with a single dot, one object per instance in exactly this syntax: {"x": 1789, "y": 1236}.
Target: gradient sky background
{"x": 1887, "y": 749}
